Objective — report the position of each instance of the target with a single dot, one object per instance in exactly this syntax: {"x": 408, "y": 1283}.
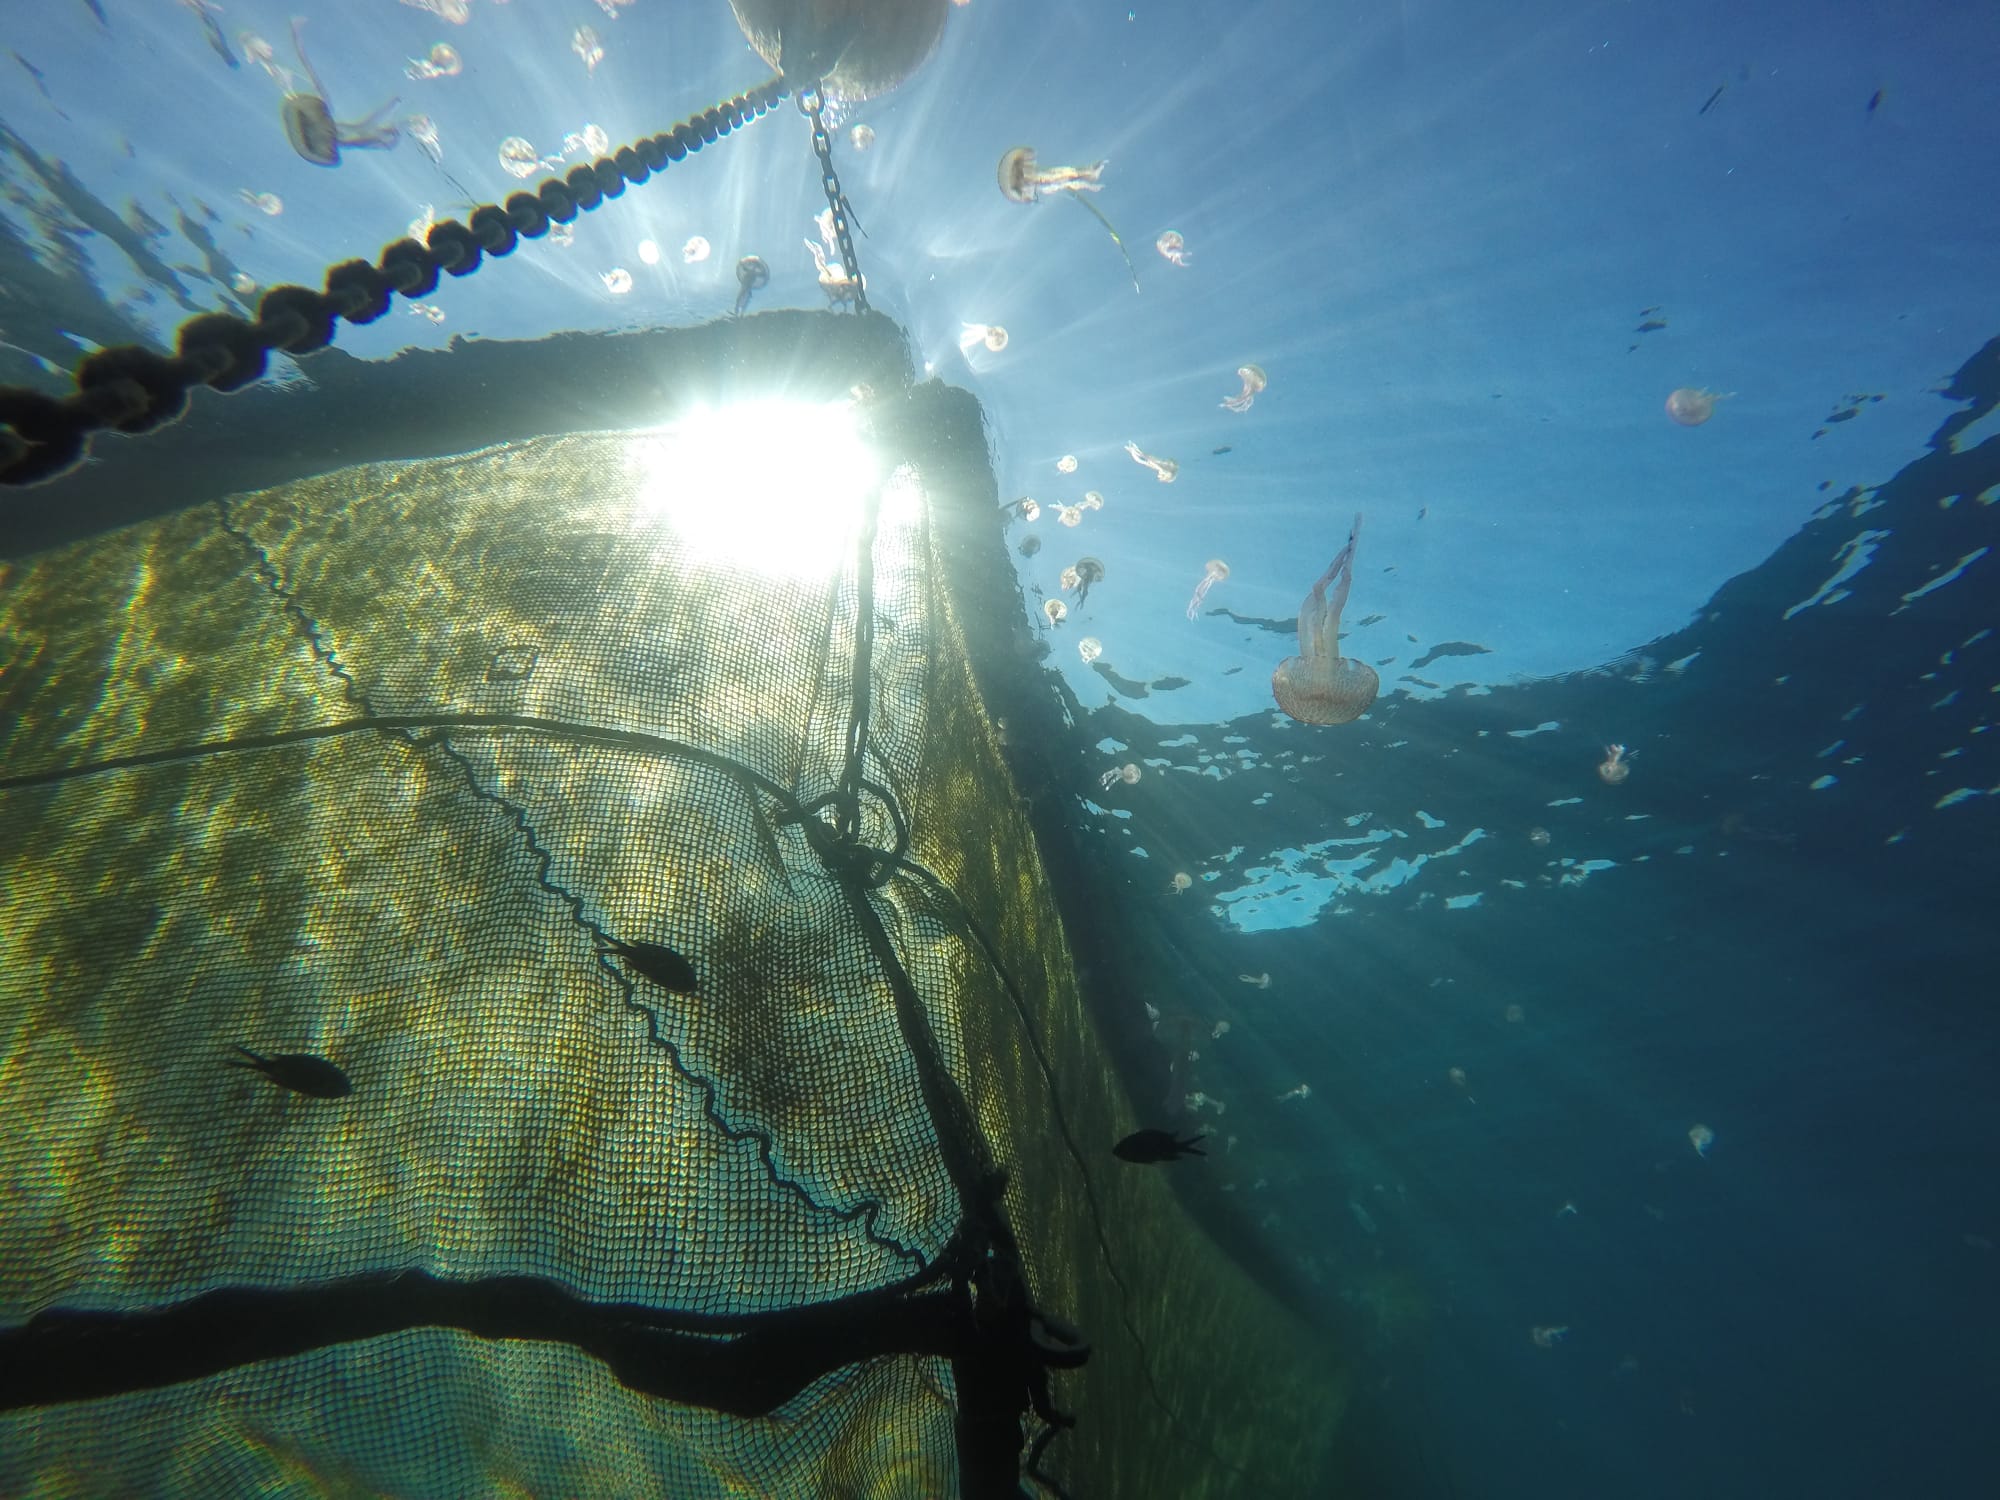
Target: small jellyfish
{"x": 1221, "y": 1027}
{"x": 1513, "y": 1015}
{"x": 1066, "y": 464}
{"x": 617, "y": 281}
{"x": 427, "y": 310}
{"x": 1129, "y": 774}
{"x": 1068, "y": 579}
{"x": 1212, "y": 573}
{"x": 423, "y": 130}
{"x": 1069, "y": 515}
{"x": 443, "y": 62}
{"x": 610, "y": 7}
{"x": 649, "y": 252}
{"x": 1255, "y": 981}
{"x": 1539, "y": 837}
{"x": 1549, "y": 1336}
{"x": 1701, "y": 1138}
{"x": 993, "y": 336}
{"x": 861, "y": 137}
{"x": 309, "y": 123}
{"x": 1167, "y": 470}
{"x": 751, "y": 273}
{"x": 1028, "y": 508}
{"x": 1023, "y": 181}
{"x": 1614, "y": 768}
{"x": 242, "y": 284}
{"x": 519, "y": 157}
{"x": 1319, "y": 685}
{"x": 1056, "y": 610}
{"x": 1173, "y": 247}
{"x": 264, "y": 203}
{"x": 592, "y": 140}
{"x": 1089, "y": 648}
{"x": 1691, "y": 407}
{"x": 420, "y": 227}
{"x": 1457, "y": 1077}
{"x": 695, "y": 251}
{"x": 1092, "y": 500}
{"x": 589, "y": 51}
{"x": 256, "y": 50}
{"x": 1078, "y": 577}
{"x": 1254, "y": 380}
{"x": 562, "y": 236}
{"x": 1298, "y": 1091}
{"x": 1181, "y": 884}
{"x": 1030, "y": 545}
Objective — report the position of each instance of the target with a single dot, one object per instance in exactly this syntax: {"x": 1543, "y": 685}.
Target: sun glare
{"x": 771, "y": 486}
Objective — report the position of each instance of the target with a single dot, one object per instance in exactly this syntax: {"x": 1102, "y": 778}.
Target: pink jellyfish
{"x": 1165, "y": 468}
{"x": 1023, "y": 181}
{"x": 1211, "y": 575}
{"x": 1691, "y": 407}
{"x": 1254, "y": 380}
{"x": 1319, "y": 685}
{"x": 1173, "y": 247}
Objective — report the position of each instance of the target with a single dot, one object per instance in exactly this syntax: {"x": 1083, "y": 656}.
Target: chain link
{"x": 812, "y": 103}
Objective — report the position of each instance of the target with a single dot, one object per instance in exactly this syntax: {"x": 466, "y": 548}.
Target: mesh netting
{"x": 373, "y": 766}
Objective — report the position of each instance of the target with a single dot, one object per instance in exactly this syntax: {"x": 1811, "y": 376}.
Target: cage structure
{"x": 722, "y": 1115}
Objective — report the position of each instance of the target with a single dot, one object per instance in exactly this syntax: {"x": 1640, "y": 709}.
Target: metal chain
{"x": 812, "y": 103}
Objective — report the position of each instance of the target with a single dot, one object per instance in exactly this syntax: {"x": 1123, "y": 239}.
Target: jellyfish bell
{"x": 1216, "y": 569}
{"x": 1691, "y": 407}
{"x": 1017, "y": 174}
{"x": 1129, "y": 774}
{"x": 1066, "y": 464}
{"x": 1182, "y": 882}
{"x": 752, "y": 272}
{"x": 309, "y": 127}
{"x": 996, "y": 338}
{"x": 1089, "y": 648}
{"x": 862, "y": 137}
{"x": 1070, "y": 580}
{"x": 695, "y": 250}
{"x": 1056, "y": 610}
{"x": 1325, "y": 689}
{"x": 1092, "y": 500}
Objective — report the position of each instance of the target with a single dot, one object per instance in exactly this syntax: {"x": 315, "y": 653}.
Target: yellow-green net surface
{"x": 370, "y": 766}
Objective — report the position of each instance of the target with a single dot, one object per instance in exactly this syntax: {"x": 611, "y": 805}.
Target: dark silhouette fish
{"x": 301, "y": 1072}
{"x": 1149, "y": 1146}
{"x": 657, "y": 962}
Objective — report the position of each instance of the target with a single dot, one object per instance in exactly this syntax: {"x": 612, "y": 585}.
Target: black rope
{"x": 133, "y": 389}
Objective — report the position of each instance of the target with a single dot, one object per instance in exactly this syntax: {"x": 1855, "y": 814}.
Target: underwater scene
{"x": 999, "y": 748}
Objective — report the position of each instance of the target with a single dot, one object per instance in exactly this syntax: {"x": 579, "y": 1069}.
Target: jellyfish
{"x": 1182, "y": 883}
{"x": 1513, "y": 1015}
{"x": 617, "y": 281}
{"x": 840, "y": 288}
{"x": 1127, "y": 773}
{"x": 1256, "y": 981}
{"x": 1066, "y": 464}
{"x": 423, "y": 130}
{"x": 1030, "y": 545}
{"x": 1081, "y": 575}
{"x": 562, "y": 236}
{"x": 443, "y": 62}
{"x": 1023, "y": 181}
{"x": 1212, "y": 573}
{"x": 264, "y": 55}
{"x": 1539, "y": 837}
{"x": 1028, "y": 508}
{"x": 649, "y": 252}
{"x": 1089, "y": 648}
{"x": 1254, "y": 380}
{"x": 264, "y": 203}
{"x": 1614, "y": 768}
{"x": 751, "y": 273}
{"x": 519, "y": 157}
{"x": 993, "y": 336}
{"x": 1691, "y": 407}
{"x": 311, "y": 127}
{"x": 454, "y": 11}
{"x": 589, "y": 51}
{"x": 1319, "y": 685}
{"x": 1069, "y": 515}
{"x": 1173, "y": 247}
{"x": 427, "y": 310}
{"x": 862, "y": 137}
{"x": 1092, "y": 500}
{"x": 695, "y": 251}
{"x": 1056, "y": 610}
{"x": 1701, "y": 1138}
{"x": 1166, "y": 468}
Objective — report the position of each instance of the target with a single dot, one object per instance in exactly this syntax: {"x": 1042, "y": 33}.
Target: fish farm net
{"x": 377, "y": 766}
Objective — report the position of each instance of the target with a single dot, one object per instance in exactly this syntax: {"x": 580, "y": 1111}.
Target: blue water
{"x": 1438, "y": 227}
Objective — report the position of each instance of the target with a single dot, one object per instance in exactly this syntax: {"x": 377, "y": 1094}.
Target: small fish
{"x": 1712, "y": 98}
{"x": 1150, "y": 1146}
{"x": 657, "y": 962}
{"x": 1874, "y": 102}
{"x": 206, "y": 14}
{"x": 1225, "y": 448}
{"x": 301, "y": 1072}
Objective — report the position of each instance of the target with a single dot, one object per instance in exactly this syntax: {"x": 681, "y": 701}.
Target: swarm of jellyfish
{"x": 1066, "y": 464}
{"x": 1167, "y": 470}
{"x": 1691, "y": 407}
{"x": 751, "y": 274}
{"x": 1056, "y": 610}
{"x": 992, "y": 335}
{"x": 695, "y": 251}
{"x": 1319, "y": 685}
{"x": 1173, "y": 247}
{"x": 1089, "y": 648}
{"x": 589, "y": 51}
{"x": 443, "y": 62}
{"x": 1254, "y": 380}
{"x": 861, "y": 137}
{"x": 1212, "y": 573}
{"x": 1023, "y": 180}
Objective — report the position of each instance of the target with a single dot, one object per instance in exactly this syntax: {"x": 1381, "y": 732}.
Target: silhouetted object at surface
{"x": 858, "y": 48}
